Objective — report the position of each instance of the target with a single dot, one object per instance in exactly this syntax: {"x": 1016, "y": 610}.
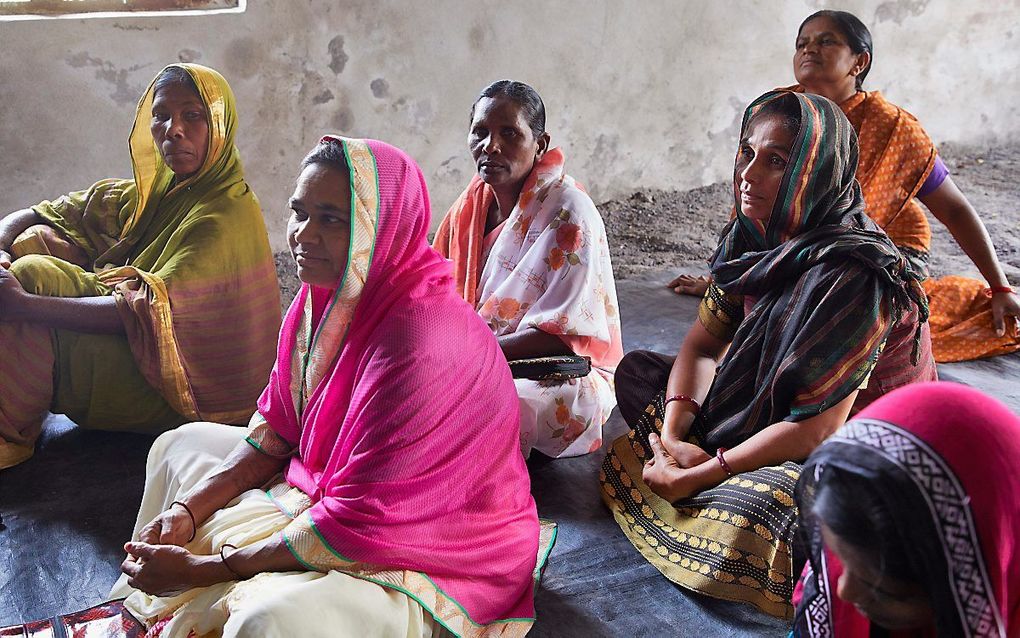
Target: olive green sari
{"x": 190, "y": 267}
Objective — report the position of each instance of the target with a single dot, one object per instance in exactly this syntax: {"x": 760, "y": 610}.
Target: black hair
{"x": 857, "y": 35}
{"x": 329, "y": 153}
{"x": 898, "y": 529}
{"x": 787, "y": 107}
{"x": 175, "y": 76}
{"x": 524, "y": 95}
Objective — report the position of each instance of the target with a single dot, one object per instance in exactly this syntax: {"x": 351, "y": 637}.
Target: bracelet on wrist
{"x": 685, "y": 399}
{"x": 223, "y": 559}
{"x": 999, "y": 290}
{"x": 191, "y": 515}
{"x": 722, "y": 461}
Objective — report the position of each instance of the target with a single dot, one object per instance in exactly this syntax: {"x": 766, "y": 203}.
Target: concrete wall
{"x": 640, "y": 94}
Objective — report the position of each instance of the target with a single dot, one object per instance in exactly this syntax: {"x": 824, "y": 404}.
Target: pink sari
{"x": 386, "y": 397}
{"x": 959, "y": 448}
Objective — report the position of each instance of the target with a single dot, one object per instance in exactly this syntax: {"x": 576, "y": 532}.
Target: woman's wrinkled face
{"x": 180, "y": 129}
{"x": 823, "y": 56}
{"x": 762, "y": 159}
{"x": 319, "y": 229}
{"x": 502, "y": 144}
{"x": 887, "y": 602}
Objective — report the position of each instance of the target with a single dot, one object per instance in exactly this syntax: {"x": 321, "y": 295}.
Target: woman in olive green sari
{"x": 142, "y": 303}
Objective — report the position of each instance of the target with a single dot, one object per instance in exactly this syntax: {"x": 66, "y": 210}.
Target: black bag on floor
{"x": 558, "y": 368}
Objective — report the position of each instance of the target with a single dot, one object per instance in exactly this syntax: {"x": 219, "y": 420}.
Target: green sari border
{"x": 363, "y": 175}
{"x": 325, "y": 543}
{"x": 404, "y": 590}
{"x": 415, "y": 598}
{"x": 290, "y": 548}
{"x": 255, "y": 445}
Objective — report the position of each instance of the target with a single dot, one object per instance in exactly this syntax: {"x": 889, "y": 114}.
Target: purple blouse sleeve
{"x": 938, "y": 174}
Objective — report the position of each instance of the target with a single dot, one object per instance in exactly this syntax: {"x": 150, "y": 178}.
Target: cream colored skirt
{"x": 272, "y": 603}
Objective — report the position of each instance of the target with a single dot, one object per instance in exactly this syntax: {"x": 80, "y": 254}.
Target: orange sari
{"x": 896, "y": 158}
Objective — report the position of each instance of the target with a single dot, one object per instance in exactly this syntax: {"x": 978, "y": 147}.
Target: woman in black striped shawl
{"x": 809, "y": 296}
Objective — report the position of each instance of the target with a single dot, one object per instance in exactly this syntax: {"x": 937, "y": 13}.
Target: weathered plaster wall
{"x": 640, "y": 93}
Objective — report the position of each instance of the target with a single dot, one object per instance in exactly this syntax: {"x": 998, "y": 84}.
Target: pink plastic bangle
{"x": 722, "y": 461}
{"x": 683, "y": 397}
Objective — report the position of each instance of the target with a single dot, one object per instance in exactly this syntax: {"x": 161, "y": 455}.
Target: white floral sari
{"x": 549, "y": 268}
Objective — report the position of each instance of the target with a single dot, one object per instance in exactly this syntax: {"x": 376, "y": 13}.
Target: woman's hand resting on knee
{"x": 158, "y": 563}
{"x": 686, "y": 455}
{"x": 168, "y": 570}
{"x": 664, "y": 476}
{"x": 172, "y": 527}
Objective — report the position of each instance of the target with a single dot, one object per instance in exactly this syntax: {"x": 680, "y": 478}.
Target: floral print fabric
{"x": 549, "y": 268}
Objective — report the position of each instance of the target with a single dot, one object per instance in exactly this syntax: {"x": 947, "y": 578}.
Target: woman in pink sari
{"x": 392, "y": 517}
{"x": 910, "y": 513}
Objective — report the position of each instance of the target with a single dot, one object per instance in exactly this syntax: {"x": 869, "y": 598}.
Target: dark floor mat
{"x": 67, "y": 513}
{"x": 69, "y": 510}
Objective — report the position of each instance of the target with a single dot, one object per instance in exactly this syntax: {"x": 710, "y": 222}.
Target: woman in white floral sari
{"x": 529, "y": 252}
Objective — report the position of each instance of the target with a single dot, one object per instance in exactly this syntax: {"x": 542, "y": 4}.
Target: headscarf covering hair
{"x": 188, "y": 262}
{"x": 384, "y": 398}
{"x": 828, "y": 286}
{"x": 940, "y": 460}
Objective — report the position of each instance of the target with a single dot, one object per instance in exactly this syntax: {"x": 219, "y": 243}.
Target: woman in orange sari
{"x": 899, "y": 165}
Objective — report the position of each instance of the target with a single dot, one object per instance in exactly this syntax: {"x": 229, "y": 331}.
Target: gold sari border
{"x": 289, "y": 500}
{"x": 328, "y": 340}
{"x": 174, "y": 386}
{"x": 548, "y": 532}
{"x": 308, "y": 546}
{"x": 12, "y": 454}
{"x": 264, "y": 438}
{"x": 686, "y": 571}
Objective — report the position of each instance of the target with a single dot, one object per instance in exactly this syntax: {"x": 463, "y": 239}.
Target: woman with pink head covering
{"x": 392, "y": 516}
{"x": 910, "y": 512}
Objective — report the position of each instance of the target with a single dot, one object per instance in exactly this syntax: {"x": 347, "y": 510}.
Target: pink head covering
{"x": 403, "y": 408}
{"x": 960, "y": 448}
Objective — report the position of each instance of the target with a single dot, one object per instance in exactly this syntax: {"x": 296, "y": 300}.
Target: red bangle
{"x": 722, "y": 461}
{"x": 683, "y": 397}
{"x": 991, "y": 290}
